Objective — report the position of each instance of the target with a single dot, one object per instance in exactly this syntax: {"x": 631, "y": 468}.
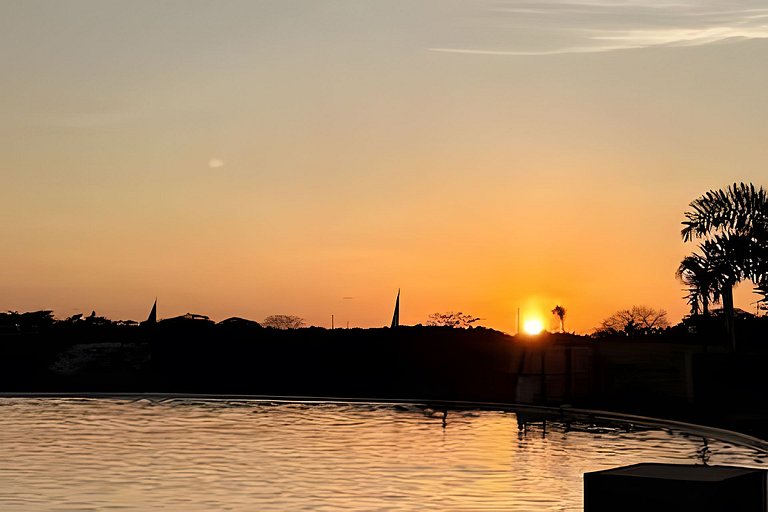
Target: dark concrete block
{"x": 675, "y": 487}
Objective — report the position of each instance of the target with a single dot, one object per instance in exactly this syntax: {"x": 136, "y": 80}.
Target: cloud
{"x": 575, "y": 49}
{"x": 215, "y": 163}
{"x": 552, "y": 27}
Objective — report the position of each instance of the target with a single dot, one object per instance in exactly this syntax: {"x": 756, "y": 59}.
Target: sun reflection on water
{"x": 251, "y": 455}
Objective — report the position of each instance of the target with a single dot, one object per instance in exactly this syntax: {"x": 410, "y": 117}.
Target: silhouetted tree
{"x": 696, "y": 272}
{"x": 32, "y": 320}
{"x": 451, "y": 319}
{"x": 559, "y": 312}
{"x": 283, "y": 322}
{"x": 732, "y": 224}
{"x": 636, "y": 320}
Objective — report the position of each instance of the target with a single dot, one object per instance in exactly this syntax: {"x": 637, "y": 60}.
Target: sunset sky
{"x": 248, "y": 158}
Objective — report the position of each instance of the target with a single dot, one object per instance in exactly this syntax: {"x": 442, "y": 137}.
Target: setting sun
{"x": 533, "y": 326}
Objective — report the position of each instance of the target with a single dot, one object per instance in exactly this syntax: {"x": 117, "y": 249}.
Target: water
{"x": 181, "y": 454}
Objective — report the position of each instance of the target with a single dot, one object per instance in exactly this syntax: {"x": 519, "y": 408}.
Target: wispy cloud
{"x": 573, "y": 49}
{"x": 215, "y": 163}
{"x": 551, "y": 27}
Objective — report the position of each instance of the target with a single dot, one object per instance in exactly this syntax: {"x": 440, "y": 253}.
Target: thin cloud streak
{"x": 583, "y": 49}
{"x": 683, "y": 37}
{"x": 575, "y": 26}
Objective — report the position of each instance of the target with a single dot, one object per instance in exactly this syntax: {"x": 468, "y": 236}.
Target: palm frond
{"x": 739, "y": 208}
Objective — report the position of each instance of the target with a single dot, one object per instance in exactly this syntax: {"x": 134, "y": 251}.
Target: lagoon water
{"x": 185, "y": 454}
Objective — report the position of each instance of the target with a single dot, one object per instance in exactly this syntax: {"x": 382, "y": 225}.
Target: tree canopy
{"x": 732, "y": 227}
{"x": 452, "y": 319}
{"x": 633, "y": 321}
{"x": 559, "y": 311}
{"x": 283, "y": 322}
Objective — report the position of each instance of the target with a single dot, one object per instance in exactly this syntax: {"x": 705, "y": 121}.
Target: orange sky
{"x": 300, "y": 158}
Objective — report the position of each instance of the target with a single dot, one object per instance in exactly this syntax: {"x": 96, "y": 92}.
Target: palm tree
{"x": 732, "y": 224}
{"x": 696, "y": 273}
{"x": 762, "y": 288}
{"x": 740, "y": 209}
{"x": 559, "y": 312}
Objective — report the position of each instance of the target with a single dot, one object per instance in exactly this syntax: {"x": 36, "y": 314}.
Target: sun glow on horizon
{"x": 450, "y": 165}
{"x": 533, "y": 326}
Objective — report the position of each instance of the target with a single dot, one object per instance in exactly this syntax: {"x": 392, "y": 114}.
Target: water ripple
{"x": 192, "y": 454}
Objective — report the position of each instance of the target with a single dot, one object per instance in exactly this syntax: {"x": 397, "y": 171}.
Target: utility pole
{"x": 331, "y": 322}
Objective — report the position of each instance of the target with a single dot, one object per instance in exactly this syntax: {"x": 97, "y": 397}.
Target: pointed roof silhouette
{"x": 152, "y": 318}
{"x": 396, "y": 316}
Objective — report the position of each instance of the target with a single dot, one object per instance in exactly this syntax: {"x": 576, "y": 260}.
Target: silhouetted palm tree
{"x": 762, "y": 289}
{"x": 733, "y": 226}
{"x": 559, "y": 312}
{"x": 696, "y": 273}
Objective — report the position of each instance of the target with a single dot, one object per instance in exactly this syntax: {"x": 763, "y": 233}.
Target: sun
{"x": 533, "y": 326}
